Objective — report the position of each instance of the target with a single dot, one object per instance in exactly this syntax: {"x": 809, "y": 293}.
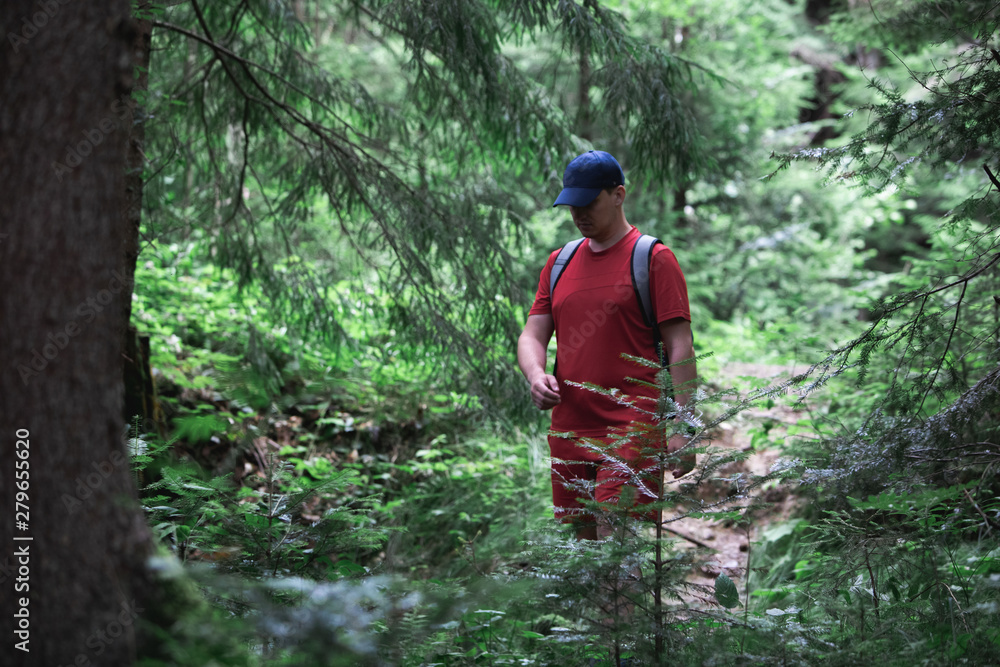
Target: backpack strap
{"x": 642, "y": 257}
{"x": 642, "y": 261}
{"x": 562, "y": 259}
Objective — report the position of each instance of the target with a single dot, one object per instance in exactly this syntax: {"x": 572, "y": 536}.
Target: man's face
{"x": 597, "y": 219}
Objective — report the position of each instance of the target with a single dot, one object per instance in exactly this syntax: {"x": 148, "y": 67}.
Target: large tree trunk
{"x": 78, "y": 585}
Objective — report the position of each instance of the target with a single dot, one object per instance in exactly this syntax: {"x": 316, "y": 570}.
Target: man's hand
{"x": 531, "y": 358}
{"x": 545, "y": 392}
{"x": 687, "y": 461}
{"x": 677, "y": 343}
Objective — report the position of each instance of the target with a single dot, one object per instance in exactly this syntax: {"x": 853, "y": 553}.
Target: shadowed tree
{"x": 65, "y": 81}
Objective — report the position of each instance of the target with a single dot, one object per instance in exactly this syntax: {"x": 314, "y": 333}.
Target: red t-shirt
{"x": 597, "y": 319}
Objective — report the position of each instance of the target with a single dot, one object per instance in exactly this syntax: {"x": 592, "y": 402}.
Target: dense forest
{"x": 265, "y": 265}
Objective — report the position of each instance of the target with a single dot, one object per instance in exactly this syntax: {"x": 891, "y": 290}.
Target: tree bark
{"x": 135, "y": 158}
{"x": 678, "y": 206}
{"x": 584, "y": 122}
{"x": 78, "y": 578}
{"x": 140, "y": 390}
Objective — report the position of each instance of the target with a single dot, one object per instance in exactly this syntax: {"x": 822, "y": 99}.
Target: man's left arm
{"x": 677, "y": 343}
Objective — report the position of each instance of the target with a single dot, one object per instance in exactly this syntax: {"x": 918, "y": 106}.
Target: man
{"x": 596, "y": 317}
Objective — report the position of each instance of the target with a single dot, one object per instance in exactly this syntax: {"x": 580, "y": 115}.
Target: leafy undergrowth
{"x": 333, "y": 514}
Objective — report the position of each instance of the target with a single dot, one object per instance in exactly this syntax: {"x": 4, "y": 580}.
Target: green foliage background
{"x": 346, "y": 208}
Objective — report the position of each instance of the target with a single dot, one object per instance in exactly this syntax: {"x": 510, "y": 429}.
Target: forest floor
{"x": 728, "y": 544}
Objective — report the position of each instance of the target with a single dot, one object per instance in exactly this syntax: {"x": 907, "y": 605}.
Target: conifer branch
{"x": 943, "y": 356}
{"x": 990, "y": 173}
{"x": 414, "y": 271}
{"x": 688, "y": 538}
{"x": 989, "y": 522}
{"x": 291, "y": 111}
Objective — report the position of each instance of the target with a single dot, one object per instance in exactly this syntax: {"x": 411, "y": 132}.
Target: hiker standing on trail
{"x": 598, "y": 312}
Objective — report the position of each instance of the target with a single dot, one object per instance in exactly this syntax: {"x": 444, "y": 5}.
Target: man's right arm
{"x": 531, "y": 350}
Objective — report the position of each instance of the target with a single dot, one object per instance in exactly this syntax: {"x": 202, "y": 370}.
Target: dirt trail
{"x": 729, "y": 542}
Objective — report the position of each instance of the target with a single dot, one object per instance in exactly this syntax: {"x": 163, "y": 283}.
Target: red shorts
{"x": 587, "y": 468}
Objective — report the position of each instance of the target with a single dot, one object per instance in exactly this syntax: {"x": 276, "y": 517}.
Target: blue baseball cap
{"x": 587, "y": 175}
